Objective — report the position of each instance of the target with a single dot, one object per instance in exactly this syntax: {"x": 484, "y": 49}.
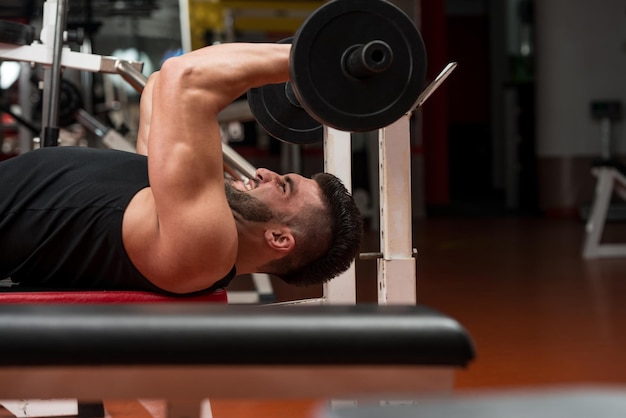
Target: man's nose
{"x": 264, "y": 175}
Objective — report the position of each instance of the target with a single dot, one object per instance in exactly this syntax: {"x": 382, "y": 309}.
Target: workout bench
{"x": 611, "y": 178}
{"x": 187, "y": 352}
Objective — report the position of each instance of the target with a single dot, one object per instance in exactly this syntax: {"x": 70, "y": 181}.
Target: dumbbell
{"x": 355, "y": 65}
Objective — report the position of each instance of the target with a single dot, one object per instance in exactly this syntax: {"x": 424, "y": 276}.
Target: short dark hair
{"x": 328, "y": 239}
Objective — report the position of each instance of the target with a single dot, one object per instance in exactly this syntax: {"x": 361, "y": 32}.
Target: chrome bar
{"x": 55, "y": 84}
{"x": 131, "y": 74}
{"x": 236, "y": 161}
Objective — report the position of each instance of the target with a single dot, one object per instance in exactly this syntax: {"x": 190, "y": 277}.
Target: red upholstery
{"x": 104, "y": 296}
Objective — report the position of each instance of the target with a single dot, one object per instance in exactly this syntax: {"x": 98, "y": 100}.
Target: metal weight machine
{"x": 49, "y": 49}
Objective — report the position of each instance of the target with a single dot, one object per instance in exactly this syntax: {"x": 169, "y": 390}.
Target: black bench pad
{"x": 216, "y": 334}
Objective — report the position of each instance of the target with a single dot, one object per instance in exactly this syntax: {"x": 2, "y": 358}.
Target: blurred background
{"x": 502, "y": 158}
{"x": 512, "y": 131}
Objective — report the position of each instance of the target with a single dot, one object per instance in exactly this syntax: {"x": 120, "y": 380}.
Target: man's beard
{"x": 249, "y": 207}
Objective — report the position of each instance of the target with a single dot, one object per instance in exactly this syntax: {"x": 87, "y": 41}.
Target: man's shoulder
{"x": 184, "y": 256}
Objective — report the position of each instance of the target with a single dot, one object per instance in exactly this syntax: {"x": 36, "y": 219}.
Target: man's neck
{"x": 250, "y": 250}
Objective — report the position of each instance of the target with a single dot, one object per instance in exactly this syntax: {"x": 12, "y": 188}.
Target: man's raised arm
{"x": 185, "y": 163}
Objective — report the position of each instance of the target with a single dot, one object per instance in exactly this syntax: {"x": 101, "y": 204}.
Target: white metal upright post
{"x": 338, "y": 161}
{"x": 396, "y": 267}
{"x": 185, "y": 25}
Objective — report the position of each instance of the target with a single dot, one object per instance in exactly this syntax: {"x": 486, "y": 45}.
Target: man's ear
{"x": 280, "y": 239}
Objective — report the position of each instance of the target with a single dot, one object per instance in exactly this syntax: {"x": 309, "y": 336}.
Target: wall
{"x": 580, "y": 56}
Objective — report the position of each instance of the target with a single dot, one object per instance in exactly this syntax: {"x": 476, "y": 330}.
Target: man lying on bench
{"x": 165, "y": 221}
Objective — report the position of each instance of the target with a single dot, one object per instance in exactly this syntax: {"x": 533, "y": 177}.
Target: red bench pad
{"x": 104, "y": 296}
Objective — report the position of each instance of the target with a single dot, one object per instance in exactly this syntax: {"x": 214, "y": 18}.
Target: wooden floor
{"x": 539, "y": 314}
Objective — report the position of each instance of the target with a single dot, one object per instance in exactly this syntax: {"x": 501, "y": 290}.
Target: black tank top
{"x": 61, "y": 212}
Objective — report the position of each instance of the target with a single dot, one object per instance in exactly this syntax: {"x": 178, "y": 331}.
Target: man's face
{"x": 272, "y": 194}
{"x": 249, "y": 207}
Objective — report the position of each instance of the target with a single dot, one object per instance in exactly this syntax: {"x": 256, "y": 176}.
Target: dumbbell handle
{"x": 362, "y": 61}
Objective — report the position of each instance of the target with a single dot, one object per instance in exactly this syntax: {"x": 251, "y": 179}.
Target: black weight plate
{"x": 280, "y": 117}
{"x": 16, "y": 33}
{"x": 70, "y": 101}
{"x": 348, "y": 103}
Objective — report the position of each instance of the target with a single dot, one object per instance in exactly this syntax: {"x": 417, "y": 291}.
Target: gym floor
{"x": 539, "y": 314}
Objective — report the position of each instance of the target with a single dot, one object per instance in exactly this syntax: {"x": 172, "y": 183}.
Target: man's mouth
{"x": 250, "y": 184}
